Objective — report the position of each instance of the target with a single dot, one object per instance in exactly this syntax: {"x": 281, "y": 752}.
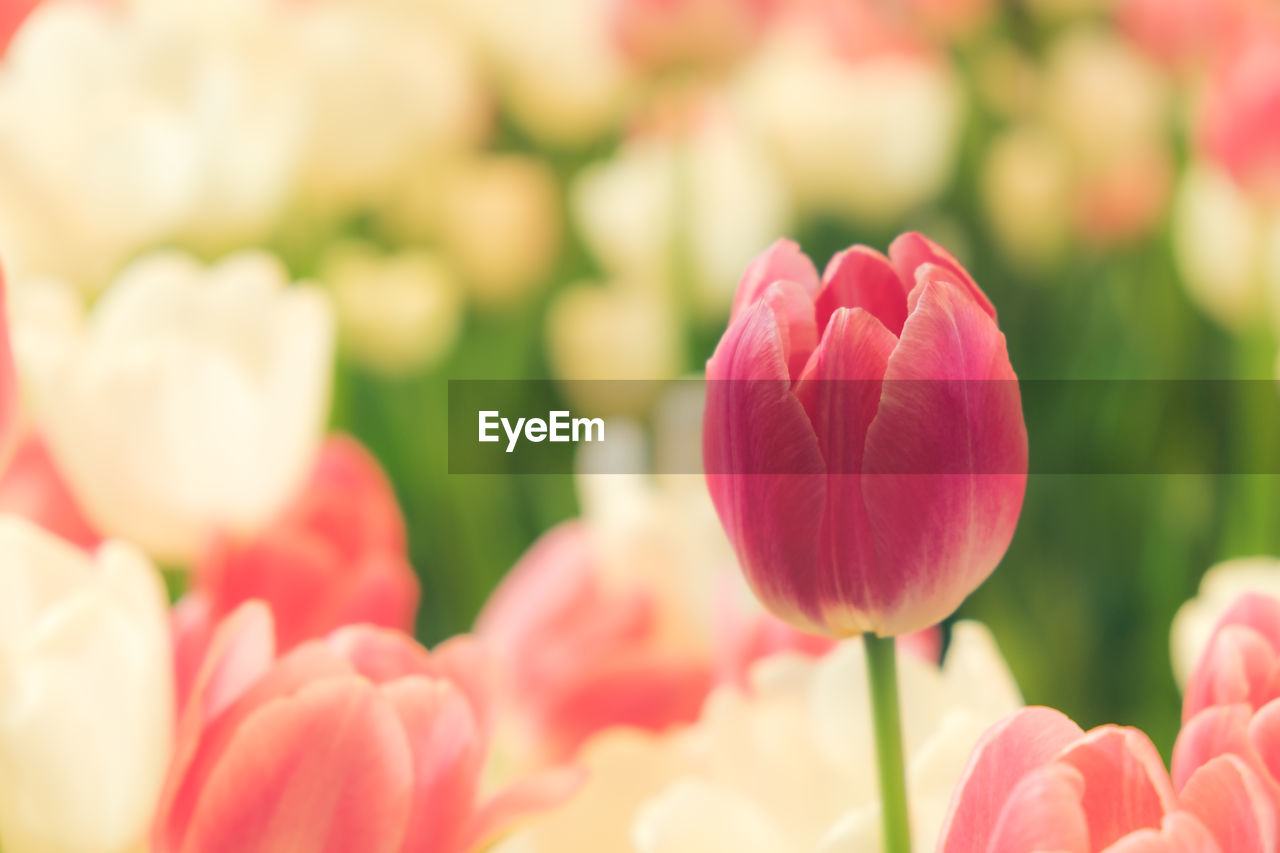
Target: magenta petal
{"x": 783, "y": 261}
{"x": 764, "y": 468}
{"x": 1043, "y": 812}
{"x": 912, "y": 250}
{"x": 840, "y": 391}
{"x": 1011, "y": 749}
{"x": 1233, "y": 804}
{"x": 1126, "y": 785}
{"x": 861, "y": 277}
{"x": 946, "y": 459}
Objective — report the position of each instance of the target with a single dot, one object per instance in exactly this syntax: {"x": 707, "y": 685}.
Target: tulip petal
{"x": 764, "y": 468}
{"x": 10, "y": 400}
{"x": 1126, "y": 785}
{"x": 912, "y": 250}
{"x": 326, "y": 769}
{"x": 1233, "y": 804}
{"x": 1264, "y": 735}
{"x": 783, "y": 261}
{"x": 861, "y": 277}
{"x": 530, "y": 795}
{"x": 1213, "y": 732}
{"x": 1043, "y": 812}
{"x": 1008, "y": 751}
{"x": 1236, "y": 667}
{"x": 946, "y": 459}
{"x": 448, "y": 751}
{"x": 840, "y": 390}
{"x": 1179, "y": 832}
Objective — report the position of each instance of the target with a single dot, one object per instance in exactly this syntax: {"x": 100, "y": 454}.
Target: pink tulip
{"x": 578, "y": 654}
{"x": 1037, "y": 782}
{"x": 10, "y": 400}
{"x": 360, "y": 741}
{"x": 1240, "y": 119}
{"x": 670, "y": 34}
{"x": 33, "y": 487}
{"x": 863, "y": 437}
{"x": 336, "y": 556}
{"x": 1232, "y": 704}
{"x": 1182, "y": 33}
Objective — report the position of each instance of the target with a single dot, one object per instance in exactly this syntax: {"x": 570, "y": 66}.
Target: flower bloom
{"x": 1197, "y": 620}
{"x": 360, "y": 741}
{"x": 335, "y": 556}
{"x": 578, "y": 654}
{"x": 783, "y": 765}
{"x": 1037, "y": 782}
{"x": 1240, "y": 120}
{"x": 86, "y": 700}
{"x": 192, "y": 401}
{"x": 863, "y": 437}
{"x": 31, "y": 486}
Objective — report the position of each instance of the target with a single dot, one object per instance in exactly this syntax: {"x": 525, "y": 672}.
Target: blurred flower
{"x": 1195, "y": 621}
{"x": 1027, "y": 193}
{"x": 192, "y": 401}
{"x": 500, "y": 222}
{"x": 1037, "y": 782}
{"x": 1182, "y": 33}
{"x": 813, "y": 446}
{"x": 579, "y": 653}
{"x": 951, "y": 20}
{"x": 397, "y": 313}
{"x": 561, "y": 76}
{"x": 86, "y": 707}
{"x": 1239, "y": 121}
{"x": 46, "y": 318}
{"x": 12, "y": 14}
{"x": 125, "y": 127}
{"x": 867, "y": 130}
{"x": 388, "y": 88}
{"x": 268, "y": 749}
{"x": 662, "y": 35}
{"x": 1227, "y": 246}
{"x": 31, "y": 486}
{"x": 687, "y": 206}
{"x": 335, "y": 556}
{"x": 612, "y": 332}
{"x": 784, "y": 765}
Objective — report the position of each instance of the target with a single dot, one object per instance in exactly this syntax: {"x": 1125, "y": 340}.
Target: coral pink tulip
{"x": 360, "y": 741}
{"x": 863, "y": 437}
{"x": 335, "y": 556}
{"x": 674, "y": 33}
{"x": 578, "y": 654}
{"x": 1037, "y": 782}
{"x": 1232, "y": 704}
{"x": 33, "y": 487}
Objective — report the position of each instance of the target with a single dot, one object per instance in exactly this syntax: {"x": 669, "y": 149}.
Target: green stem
{"x": 882, "y": 674}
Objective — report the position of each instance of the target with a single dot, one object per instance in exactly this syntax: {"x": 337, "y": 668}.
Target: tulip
{"x": 1197, "y": 620}
{"x": 663, "y": 35}
{"x": 1239, "y": 124}
{"x": 334, "y": 557}
{"x": 1037, "y": 782}
{"x": 787, "y": 756}
{"x": 86, "y": 704}
{"x": 360, "y": 741}
{"x": 579, "y": 654}
{"x": 863, "y": 437}
{"x": 192, "y": 401}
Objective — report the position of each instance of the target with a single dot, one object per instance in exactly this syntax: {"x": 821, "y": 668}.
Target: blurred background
{"x": 569, "y": 189}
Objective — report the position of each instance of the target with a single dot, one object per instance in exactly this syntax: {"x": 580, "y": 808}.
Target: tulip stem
{"x": 882, "y": 673}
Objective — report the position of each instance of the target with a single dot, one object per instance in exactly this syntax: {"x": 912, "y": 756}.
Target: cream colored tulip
{"x": 86, "y": 694}
{"x": 784, "y": 767}
{"x": 872, "y": 138}
{"x": 706, "y": 197}
{"x": 1219, "y": 588}
{"x": 396, "y": 313}
{"x": 1227, "y": 247}
{"x": 194, "y": 399}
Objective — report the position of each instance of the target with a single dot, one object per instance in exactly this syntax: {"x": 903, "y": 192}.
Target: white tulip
{"x": 1219, "y": 588}
{"x": 192, "y": 400}
{"x": 787, "y": 766}
{"x": 86, "y": 694}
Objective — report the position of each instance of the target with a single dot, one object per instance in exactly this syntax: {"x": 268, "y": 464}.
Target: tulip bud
{"x": 863, "y": 437}
{"x": 86, "y": 695}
